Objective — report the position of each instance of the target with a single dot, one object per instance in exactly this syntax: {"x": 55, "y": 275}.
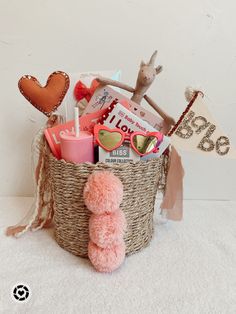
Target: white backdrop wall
{"x": 197, "y": 46}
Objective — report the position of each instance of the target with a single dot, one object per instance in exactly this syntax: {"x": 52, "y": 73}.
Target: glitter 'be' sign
{"x": 199, "y": 125}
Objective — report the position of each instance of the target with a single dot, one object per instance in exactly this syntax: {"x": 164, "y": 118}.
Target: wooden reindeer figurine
{"x": 146, "y": 76}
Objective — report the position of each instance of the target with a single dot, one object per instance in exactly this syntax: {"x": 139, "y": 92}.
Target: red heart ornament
{"x": 48, "y": 98}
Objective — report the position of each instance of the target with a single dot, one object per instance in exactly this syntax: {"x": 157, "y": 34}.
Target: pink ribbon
{"x": 173, "y": 198}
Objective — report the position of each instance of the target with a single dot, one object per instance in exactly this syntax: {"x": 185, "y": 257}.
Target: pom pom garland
{"x": 103, "y": 195}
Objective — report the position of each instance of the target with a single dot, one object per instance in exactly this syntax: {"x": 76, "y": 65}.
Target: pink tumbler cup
{"x": 77, "y": 149}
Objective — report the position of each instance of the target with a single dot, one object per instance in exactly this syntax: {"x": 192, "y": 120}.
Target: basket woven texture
{"x": 141, "y": 181}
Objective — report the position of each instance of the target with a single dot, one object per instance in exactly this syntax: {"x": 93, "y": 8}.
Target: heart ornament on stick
{"x": 48, "y": 98}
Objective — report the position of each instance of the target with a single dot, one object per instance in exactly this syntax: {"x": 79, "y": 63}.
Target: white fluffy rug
{"x": 190, "y": 267}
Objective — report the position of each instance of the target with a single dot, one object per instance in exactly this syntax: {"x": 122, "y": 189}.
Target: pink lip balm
{"x": 77, "y": 147}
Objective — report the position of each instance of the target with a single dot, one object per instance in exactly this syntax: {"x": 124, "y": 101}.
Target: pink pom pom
{"x": 103, "y": 192}
{"x": 107, "y": 229}
{"x": 108, "y": 259}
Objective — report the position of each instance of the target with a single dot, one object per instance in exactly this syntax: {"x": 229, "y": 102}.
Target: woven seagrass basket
{"x": 141, "y": 180}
